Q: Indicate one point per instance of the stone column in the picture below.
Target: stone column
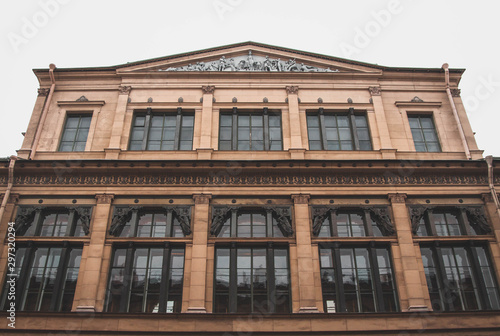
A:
(89, 276)
(494, 220)
(383, 129)
(113, 150)
(412, 270)
(198, 262)
(304, 261)
(475, 152)
(205, 148)
(296, 149)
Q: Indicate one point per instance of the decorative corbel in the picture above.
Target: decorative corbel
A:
(416, 215)
(283, 218)
(319, 214)
(383, 220)
(120, 217)
(477, 218)
(24, 219)
(184, 216)
(219, 217)
(84, 214)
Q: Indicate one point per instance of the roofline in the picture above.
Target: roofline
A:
(257, 44)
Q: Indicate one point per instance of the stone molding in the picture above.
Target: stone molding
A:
(124, 90)
(104, 198)
(397, 198)
(301, 198)
(202, 198)
(375, 90)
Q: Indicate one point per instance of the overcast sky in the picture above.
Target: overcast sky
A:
(410, 33)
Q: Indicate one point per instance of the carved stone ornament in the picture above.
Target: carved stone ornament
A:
(43, 92)
(120, 217)
(301, 198)
(416, 100)
(219, 216)
(250, 63)
(24, 219)
(124, 89)
(455, 92)
(349, 100)
(180, 100)
(265, 100)
(82, 99)
(416, 215)
(375, 90)
(477, 219)
(383, 220)
(84, 214)
(397, 198)
(150, 100)
(319, 215)
(202, 198)
(104, 198)
(320, 100)
(235, 100)
(283, 219)
(208, 89)
(487, 197)
(292, 89)
(184, 216)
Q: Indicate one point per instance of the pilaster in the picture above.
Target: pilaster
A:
(113, 150)
(383, 128)
(304, 259)
(90, 273)
(293, 112)
(198, 262)
(409, 253)
(206, 117)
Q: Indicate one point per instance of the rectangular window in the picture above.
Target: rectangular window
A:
(145, 280)
(76, 130)
(251, 222)
(424, 133)
(338, 131)
(252, 280)
(357, 280)
(460, 278)
(345, 222)
(151, 222)
(162, 131)
(458, 221)
(250, 130)
(53, 222)
(47, 278)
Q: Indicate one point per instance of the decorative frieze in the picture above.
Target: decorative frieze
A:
(281, 179)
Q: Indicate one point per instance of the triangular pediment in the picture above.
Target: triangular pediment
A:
(249, 57)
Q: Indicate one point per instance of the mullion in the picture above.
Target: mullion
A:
(354, 130)
(23, 277)
(482, 293)
(127, 283)
(147, 126)
(271, 278)
(165, 278)
(234, 132)
(376, 284)
(177, 128)
(56, 294)
(444, 278)
(266, 129)
(322, 129)
(41, 289)
(339, 279)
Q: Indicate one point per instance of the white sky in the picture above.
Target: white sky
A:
(424, 33)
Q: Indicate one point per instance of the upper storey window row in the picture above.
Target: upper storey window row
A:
(249, 130)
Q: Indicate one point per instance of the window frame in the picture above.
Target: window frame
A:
(444, 288)
(59, 287)
(339, 291)
(148, 113)
(430, 116)
(73, 114)
(236, 113)
(353, 128)
(126, 290)
(271, 291)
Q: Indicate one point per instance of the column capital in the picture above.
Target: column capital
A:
(43, 92)
(13, 198)
(301, 198)
(292, 89)
(397, 198)
(208, 89)
(124, 90)
(455, 92)
(375, 90)
(487, 197)
(104, 198)
(202, 198)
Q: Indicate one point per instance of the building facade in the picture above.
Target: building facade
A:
(250, 189)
